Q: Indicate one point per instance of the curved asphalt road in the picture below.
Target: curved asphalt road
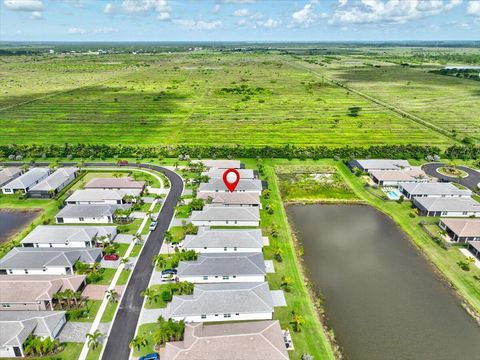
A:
(471, 181)
(125, 322)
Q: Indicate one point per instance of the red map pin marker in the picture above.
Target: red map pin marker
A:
(231, 177)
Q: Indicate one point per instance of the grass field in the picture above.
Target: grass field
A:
(190, 99)
(445, 101)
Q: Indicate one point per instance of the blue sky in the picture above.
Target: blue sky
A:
(239, 20)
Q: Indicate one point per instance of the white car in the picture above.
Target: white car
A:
(153, 225)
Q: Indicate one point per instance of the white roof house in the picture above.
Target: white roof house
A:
(101, 196)
(225, 240)
(88, 214)
(462, 230)
(220, 164)
(214, 173)
(378, 164)
(254, 340)
(414, 190)
(395, 177)
(67, 236)
(226, 216)
(223, 302)
(25, 181)
(447, 207)
(232, 199)
(122, 183)
(46, 261)
(223, 267)
(55, 182)
(217, 185)
(8, 174)
(17, 326)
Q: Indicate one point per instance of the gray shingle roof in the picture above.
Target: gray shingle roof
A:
(55, 234)
(30, 177)
(114, 183)
(447, 204)
(96, 195)
(89, 211)
(236, 198)
(252, 340)
(219, 238)
(53, 181)
(224, 264)
(8, 174)
(223, 299)
(215, 173)
(399, 175)
(231, 213)
(16, 326)
(434, 189)
(38, 258)
(380, 164)
(215, 185)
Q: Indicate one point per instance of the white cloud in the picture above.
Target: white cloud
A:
(23, 5)
(269, 23)
(473, 8)
(143, 6)
(237, 1)
(76, 31)
(391, 11)
(36, 15)
(164, 16)
(216, 8)
(108, 8)
(342, 3)
(241, 12)
(198, 24)
(304, 17)
(104, 30)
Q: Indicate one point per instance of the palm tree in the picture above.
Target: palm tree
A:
(94, 339)
(138, 342)
(151, 295)
(297, 322)
(138, 238)
(112, 296)
(277, 254)
(286, 283)
(168, 237)
(159, 261)
(69, 295)
(124, 261)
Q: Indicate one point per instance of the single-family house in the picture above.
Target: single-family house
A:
(395, 177)
(226, 240)
(214, 173)
(226, 216)
(447, 207)
(25, 181)
(8, 174)
(88, 214)
(223, 267)
(437, 189)
(46, 261)
(217, 185)
(232, 199)
(54, 183)
(17, 326)
(35, 292)
(252, 340)
(68, 236)
(461, 230)
(221, 164)
(223, 302)
(474, 247)
(101, 196)
(123, 183)
(368, 165)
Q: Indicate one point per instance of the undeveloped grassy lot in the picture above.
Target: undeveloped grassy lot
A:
(206, 99)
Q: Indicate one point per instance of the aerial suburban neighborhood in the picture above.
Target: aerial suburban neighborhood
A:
(240, 180)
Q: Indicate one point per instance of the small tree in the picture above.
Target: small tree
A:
(286, 283)
(138, 342)
(266, 193)
(151, 295)
(297, 322)
(112, 296)
(93, 340)
(277, 254)
(168, 237)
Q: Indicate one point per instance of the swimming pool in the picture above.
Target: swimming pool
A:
(393, 195)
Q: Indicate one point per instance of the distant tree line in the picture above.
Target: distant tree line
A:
(92, 151)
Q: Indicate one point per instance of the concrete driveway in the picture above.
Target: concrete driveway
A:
(471, 181)
(97, 292)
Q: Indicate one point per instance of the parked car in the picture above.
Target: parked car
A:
(111, 257)
(153, 225)
(169, 271)
(152, 356)
(122, 162)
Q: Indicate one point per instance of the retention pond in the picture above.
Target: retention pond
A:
(382, 298)
(12, 222)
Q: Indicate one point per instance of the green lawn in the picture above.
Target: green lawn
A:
(92, 306)
(136, 250)
(159, 303)
(146, 330)
(94, 354)
(183, 211)
(109, 312)
(123, 278)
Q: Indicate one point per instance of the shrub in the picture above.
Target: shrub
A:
(166, 296)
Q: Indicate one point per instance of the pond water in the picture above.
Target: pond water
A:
(381, 296)
(12, 222)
